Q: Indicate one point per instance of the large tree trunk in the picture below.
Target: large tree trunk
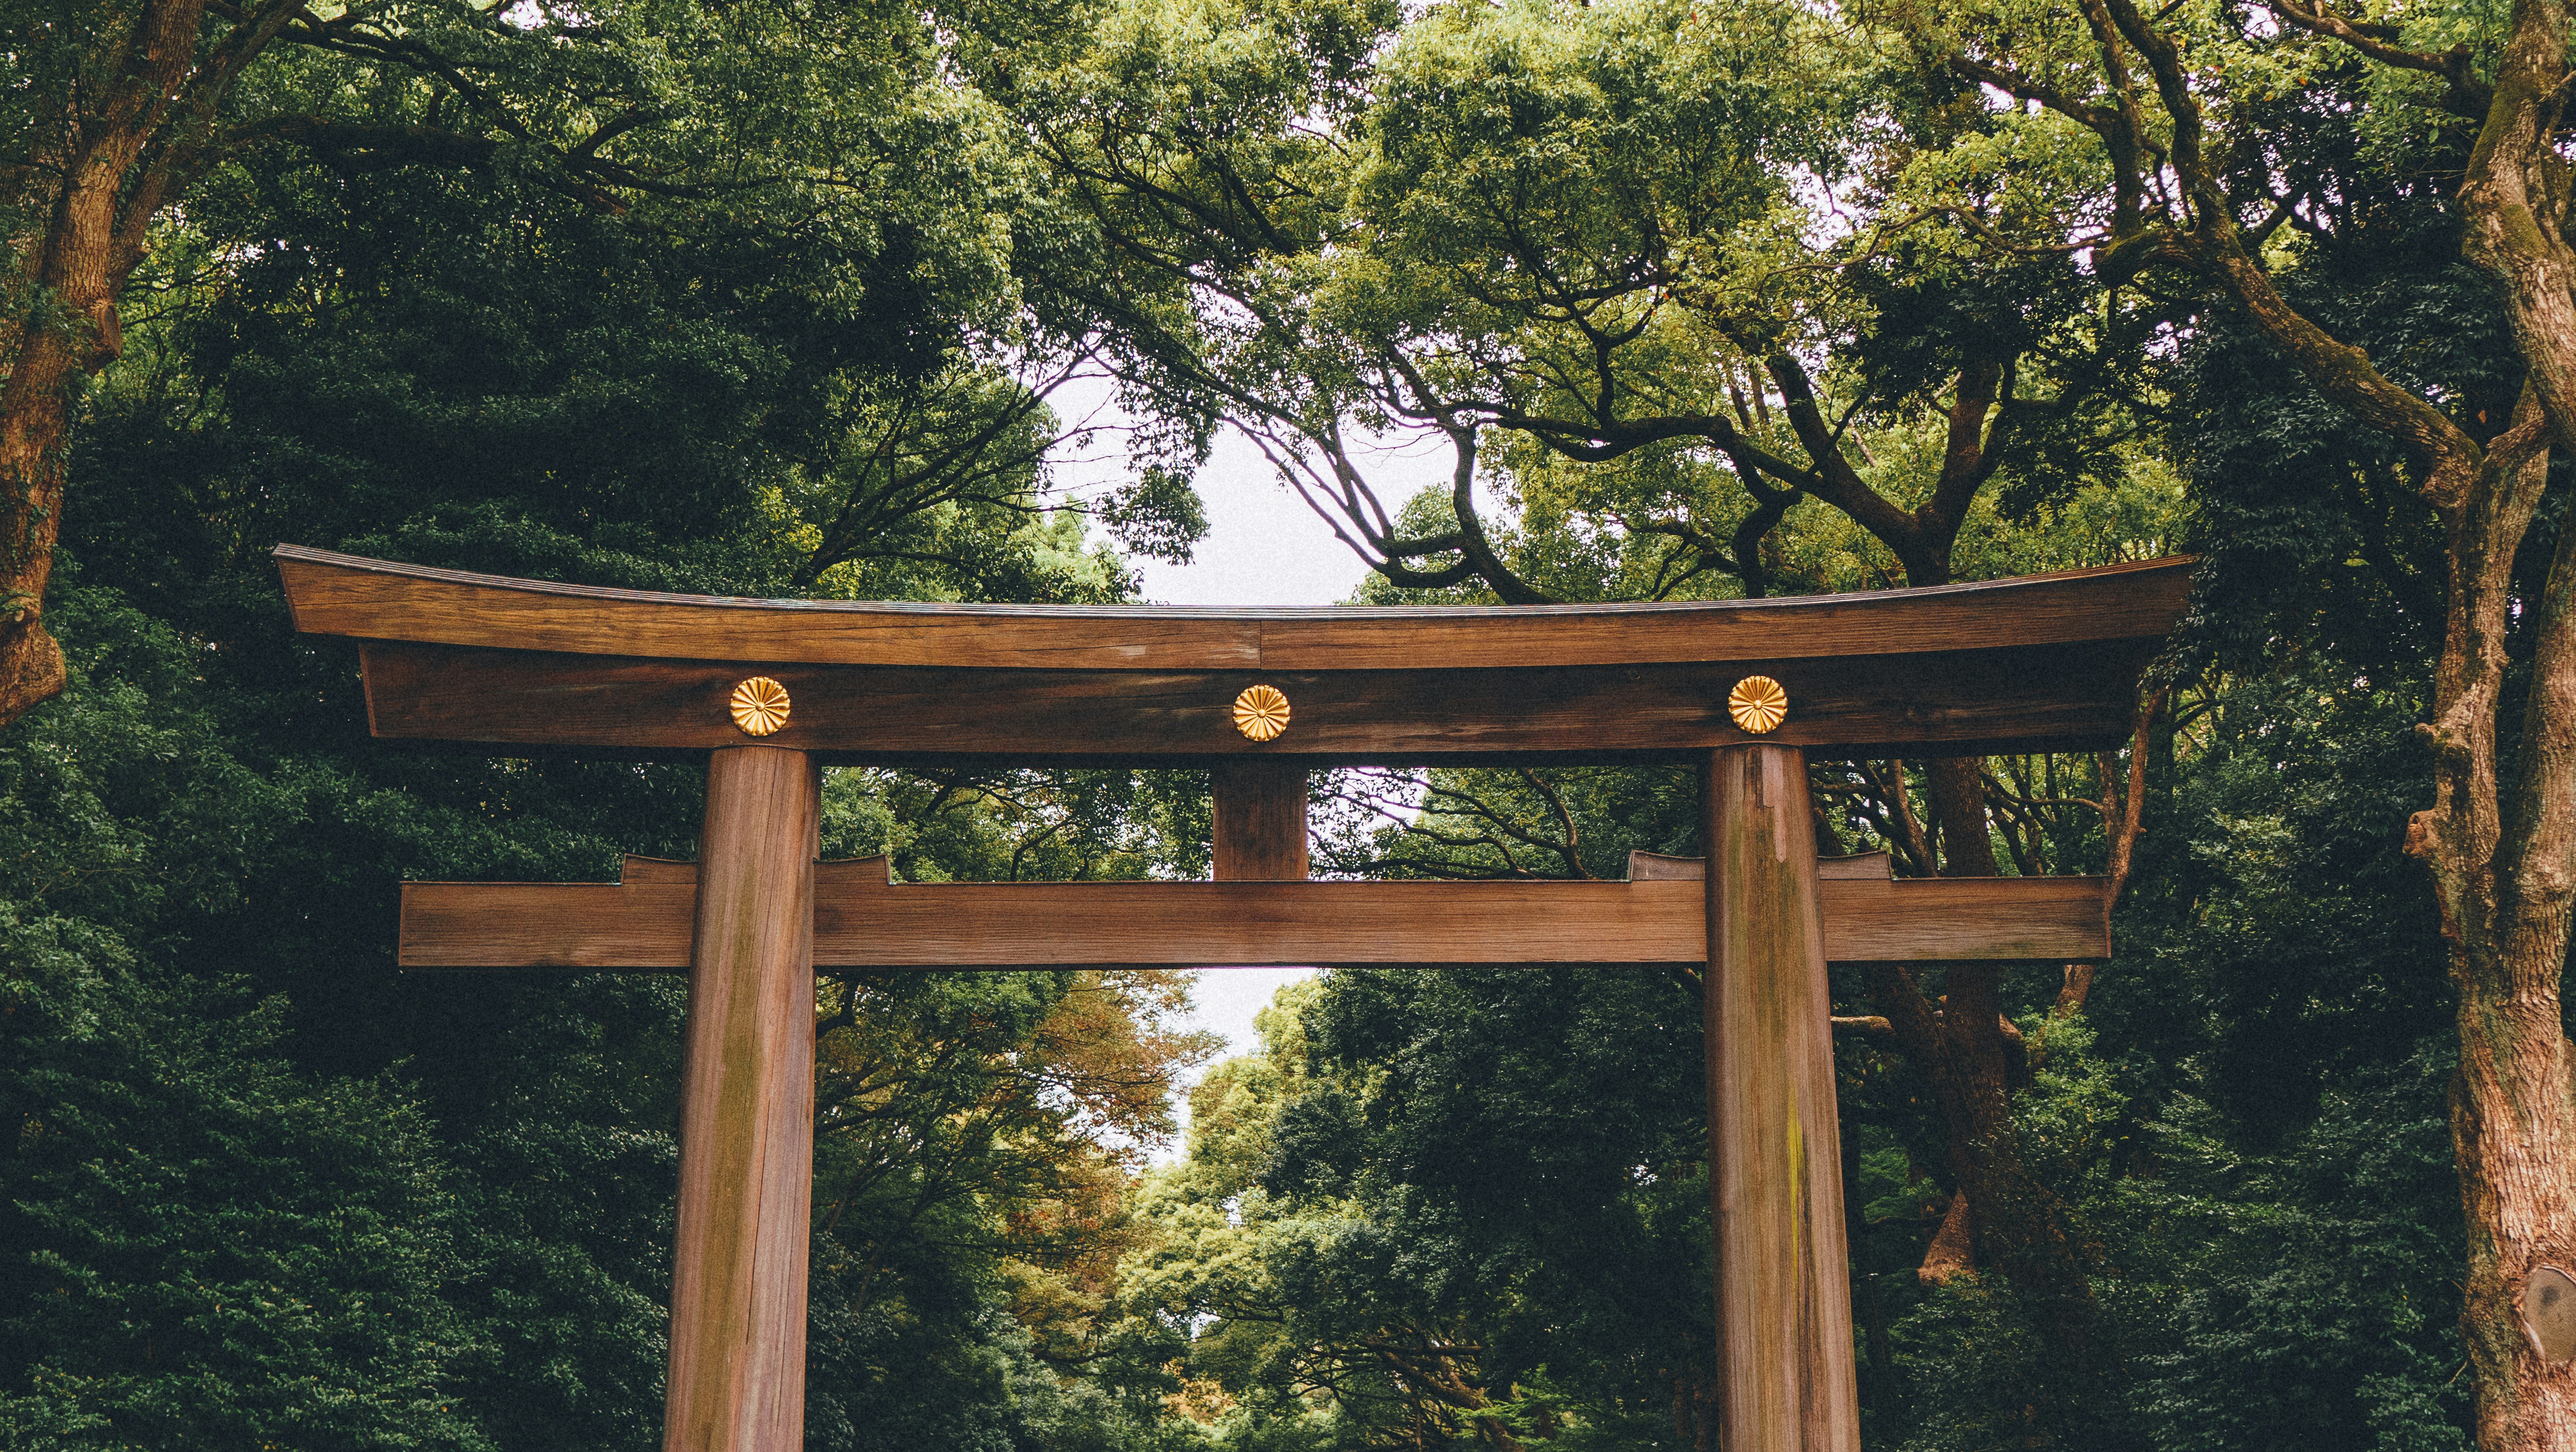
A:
(97, 193)
(1961, 1045)
(2503, 859)
(34, 431)
(2503, 881)
(1962, 1048)
(111, 147)
(2502, 864)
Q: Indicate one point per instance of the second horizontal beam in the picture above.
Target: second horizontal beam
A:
(863, 921)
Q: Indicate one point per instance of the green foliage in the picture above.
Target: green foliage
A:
(1440, 1206)
(436, 1210)
(2307, 523)
(213, 1250)
(2312, 1304)
(207, 1246)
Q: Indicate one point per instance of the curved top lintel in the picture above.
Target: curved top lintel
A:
(348, 595)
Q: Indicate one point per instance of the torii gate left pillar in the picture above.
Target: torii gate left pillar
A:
(1775, 1176)
(738, 1275)
(737, 1363)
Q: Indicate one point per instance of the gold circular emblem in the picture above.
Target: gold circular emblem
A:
(759, 706)
(1758, 704)
(1261, 713)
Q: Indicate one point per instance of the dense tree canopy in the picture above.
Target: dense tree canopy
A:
(1701, 300)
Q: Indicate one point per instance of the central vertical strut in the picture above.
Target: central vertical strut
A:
(1260, 819)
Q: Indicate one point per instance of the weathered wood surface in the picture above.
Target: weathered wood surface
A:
(1860, 866)
(2076, 696)
(1993, 919)
(1260, 819)
(347, 595)
(862, 921)
(737, 1353)
(1784, 1320)
(334, 594)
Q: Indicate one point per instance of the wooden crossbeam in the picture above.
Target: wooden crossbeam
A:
(1964, 702)
(2044, 663)
(862, 920)
(364, 599)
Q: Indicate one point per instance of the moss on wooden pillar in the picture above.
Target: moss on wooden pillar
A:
(1775, 1180)
(737, 1361)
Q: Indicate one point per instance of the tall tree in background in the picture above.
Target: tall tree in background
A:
(115, 110)
(778, 362)
(776, 130)
(1651, 265)
(2202, 164)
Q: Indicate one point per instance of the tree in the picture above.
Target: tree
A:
(766, 147)
(2201, 129)
(468, 366)
(117, 110)
(1654, 270)
(206, 1243)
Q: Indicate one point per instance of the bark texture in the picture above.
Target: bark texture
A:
(126, 120)
(2499, 840)
(130, 107)
(2503, 855)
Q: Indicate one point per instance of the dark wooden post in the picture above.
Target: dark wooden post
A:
(1261, 819)
(1775, 1163)
(737, 1367)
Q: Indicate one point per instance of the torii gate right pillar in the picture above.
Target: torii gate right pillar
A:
(1784, 1326)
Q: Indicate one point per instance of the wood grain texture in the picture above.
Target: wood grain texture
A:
(1784, 1318)
(365, 599)
(737, 1353)
(378, 600)
(2068, 697)
(1860, 866)
(1260, 819)
(2120, 601)
(862, 921)
(642, 921)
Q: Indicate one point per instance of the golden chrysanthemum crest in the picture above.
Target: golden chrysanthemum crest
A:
(1261, 713)
(1758, 704)
(759, 706)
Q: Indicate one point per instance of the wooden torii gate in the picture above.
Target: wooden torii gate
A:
(767, 691)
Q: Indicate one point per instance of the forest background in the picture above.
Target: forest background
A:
(1702, 300)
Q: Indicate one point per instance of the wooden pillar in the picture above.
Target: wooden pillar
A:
(1784, 1323)
(1261, 819)
(737, 1366)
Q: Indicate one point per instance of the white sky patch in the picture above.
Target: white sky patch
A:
(1264, 548)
